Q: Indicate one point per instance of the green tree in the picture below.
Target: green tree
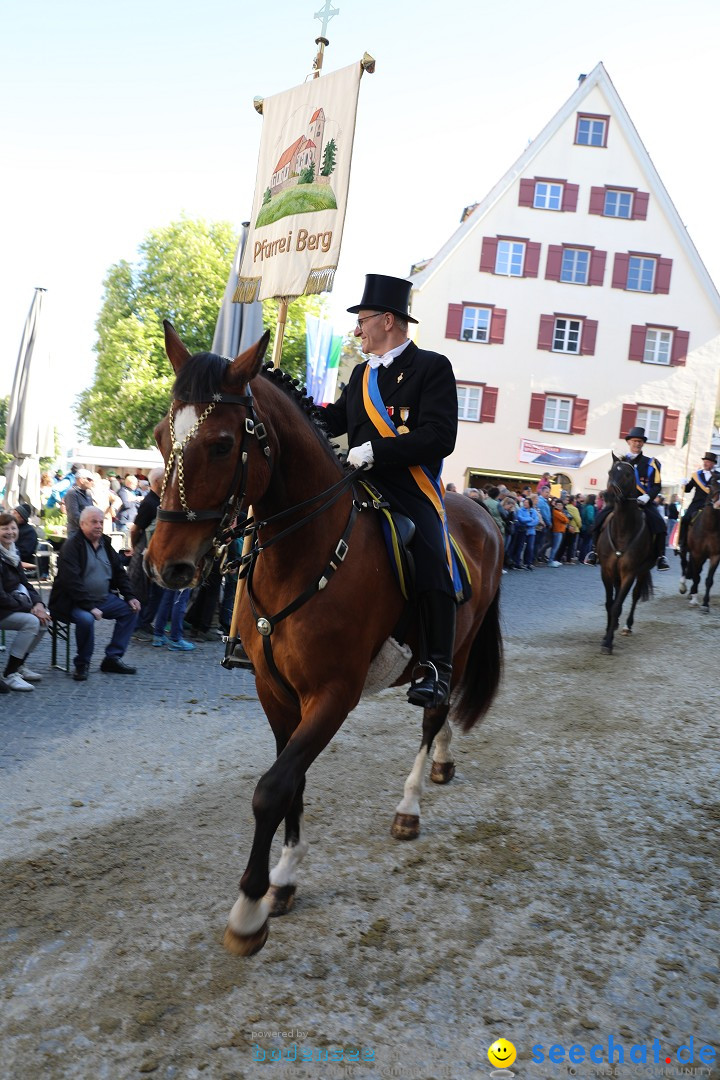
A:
(329, 154)
(181, 276)
(267, 195)
(294, 350)
(307, 175)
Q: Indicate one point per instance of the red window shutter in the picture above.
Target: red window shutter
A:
(662, 275)
(578, 424)
(596, 273)
(589, 337)
(553, 266)
(640, 205)
(488, 254)
(620, 271)
(597, 200)
(489, 404)
(532, 260)
(537, 411)
(681, 340)
(570, 197)
(497, 326)
(637, 342)
(454, 321)
(546, 332)
(670, 427)
(526, 196)
(628, 419)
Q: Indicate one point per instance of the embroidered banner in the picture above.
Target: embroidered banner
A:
(301, 189)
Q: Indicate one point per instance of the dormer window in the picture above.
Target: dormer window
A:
(591, 129)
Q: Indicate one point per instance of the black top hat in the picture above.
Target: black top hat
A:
(636, 433)
(384, 293)
(710, 457)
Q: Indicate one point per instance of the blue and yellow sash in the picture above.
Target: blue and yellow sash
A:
(700, 481)
(431, 487)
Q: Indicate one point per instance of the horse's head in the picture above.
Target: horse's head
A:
(621, 479)
(714, 491)
(209, 439)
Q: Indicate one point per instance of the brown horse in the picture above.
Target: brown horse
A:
(703, 542)
(321, 599)
(625, 551)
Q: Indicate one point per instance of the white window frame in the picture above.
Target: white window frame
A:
(595, 126)
(653, 420)
(658, 346)
(567, 335)
(575, 252)
(548, 196)
(643, 265)
(554, 416)
(469, 402)
(622, 200)
(510, 258)
(476, 323)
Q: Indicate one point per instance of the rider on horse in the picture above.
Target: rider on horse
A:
(400, 413)
(699, 484)
(647, 476)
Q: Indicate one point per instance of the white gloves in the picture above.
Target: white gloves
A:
(685, 481)
(642, 499)
(361, 456)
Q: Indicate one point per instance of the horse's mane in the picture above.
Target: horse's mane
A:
(202, 376)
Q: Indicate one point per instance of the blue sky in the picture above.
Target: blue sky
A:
(118, 118)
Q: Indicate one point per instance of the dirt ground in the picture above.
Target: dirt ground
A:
(562, 891)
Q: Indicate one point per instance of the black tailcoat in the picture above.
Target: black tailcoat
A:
(419, 387)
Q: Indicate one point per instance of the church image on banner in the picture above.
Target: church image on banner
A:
(573, 306)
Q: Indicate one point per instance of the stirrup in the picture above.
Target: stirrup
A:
(235, 655)
(430, 691)
(591, 558)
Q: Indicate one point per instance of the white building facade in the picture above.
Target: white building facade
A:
(573, 306)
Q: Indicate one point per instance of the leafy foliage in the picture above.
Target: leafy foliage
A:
(181, 276)
(307, 176)
(294, 351)
(328, 162)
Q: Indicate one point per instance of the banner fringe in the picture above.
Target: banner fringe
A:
(247, 290)
(320, 280)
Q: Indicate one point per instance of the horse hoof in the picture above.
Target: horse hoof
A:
(281, 899)
(682, 588)
(626, 630)
(245, 944)
(704, 610)
(606, 649)
(405, 827)
(694, 601)
(442, 772)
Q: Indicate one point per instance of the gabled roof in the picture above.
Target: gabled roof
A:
(315, 115)
(598, 77)
(289, 154)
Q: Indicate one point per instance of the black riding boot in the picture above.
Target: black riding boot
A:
(660, 542)
(437, 610)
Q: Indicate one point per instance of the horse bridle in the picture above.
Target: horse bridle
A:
(228, 510)
(615, 488)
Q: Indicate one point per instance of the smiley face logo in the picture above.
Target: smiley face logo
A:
(501, 1054)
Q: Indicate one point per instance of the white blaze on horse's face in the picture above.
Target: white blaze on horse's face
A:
(183, 421)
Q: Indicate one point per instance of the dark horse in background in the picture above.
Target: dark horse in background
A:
(625, 550)
(321, 598)
(703, 543)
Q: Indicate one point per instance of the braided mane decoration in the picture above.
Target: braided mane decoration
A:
(294, 389)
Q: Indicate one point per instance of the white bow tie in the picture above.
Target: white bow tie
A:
(381, 361)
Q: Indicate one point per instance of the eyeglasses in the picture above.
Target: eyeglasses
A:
(358, 324)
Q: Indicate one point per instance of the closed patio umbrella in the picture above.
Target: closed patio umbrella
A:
(30, 430)
(239, 325)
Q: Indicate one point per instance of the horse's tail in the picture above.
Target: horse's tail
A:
(646, 587)
(483, 670)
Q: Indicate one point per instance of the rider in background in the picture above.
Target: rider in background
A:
(699, 484)
(647, 476)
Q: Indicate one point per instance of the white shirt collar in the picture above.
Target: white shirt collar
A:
(387, 358)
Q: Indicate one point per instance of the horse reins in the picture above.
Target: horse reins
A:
(623, 498)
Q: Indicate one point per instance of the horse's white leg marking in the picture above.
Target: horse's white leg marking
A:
(285, 873)
(247, 916)
(442, 745)
(410, 802)
(694, 600)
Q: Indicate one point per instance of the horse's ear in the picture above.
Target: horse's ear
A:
(614, 456)
(247, 365)
(177, 353)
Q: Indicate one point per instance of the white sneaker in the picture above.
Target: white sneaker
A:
(555, 563)
(16, 682)
(29, 675)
